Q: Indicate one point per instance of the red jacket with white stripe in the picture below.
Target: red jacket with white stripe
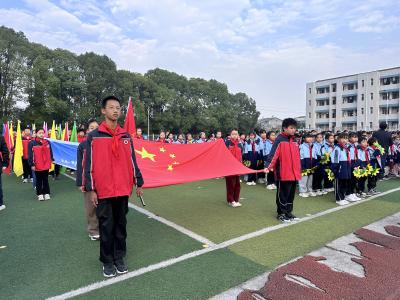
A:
(110, 173)
(284, 159)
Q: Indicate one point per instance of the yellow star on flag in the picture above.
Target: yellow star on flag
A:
(146, 154)
(170, 168)
(162, 149)
(172, 155)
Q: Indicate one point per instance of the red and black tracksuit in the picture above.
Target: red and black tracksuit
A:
(40, 156)
(284, 159)
(110, 169)
(233, 182)
(25, 159)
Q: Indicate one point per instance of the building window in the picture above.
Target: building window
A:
(309, 90)
(362, 97)
(370, 125)
(333, 87)
(390, 80)
(362, 82)
(362, 110)
(333, 100)
(372, 81)
(309, 115)
(362, 124)
(371, 110)
(333, 113)
(372, 96)
(309, 102)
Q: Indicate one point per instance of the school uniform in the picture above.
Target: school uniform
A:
(308, 158)
(200, 141)
(327, 148)
(374, 154)
(319, 172)
(252, 153)
(354, 163)
(41, 157)
(364, 160)
(396, 160)
(341, 167)
(25, 158)
(111, 170)
(266, 146)
(233, 182)
(284, 159)
(4, 162)
(90, 211)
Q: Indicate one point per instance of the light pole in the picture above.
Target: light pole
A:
(148, 123)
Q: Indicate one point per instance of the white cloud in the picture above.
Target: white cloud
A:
(263, 48)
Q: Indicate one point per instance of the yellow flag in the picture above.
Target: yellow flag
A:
(53, 136)
(18, 168)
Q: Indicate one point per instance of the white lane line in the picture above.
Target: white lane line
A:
(169, 262)
(177, 227)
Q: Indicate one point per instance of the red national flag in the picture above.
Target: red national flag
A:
(130, 125)
(167, 164)
(66, 136)
(8, 138)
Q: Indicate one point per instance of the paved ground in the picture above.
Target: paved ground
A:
(361, 265)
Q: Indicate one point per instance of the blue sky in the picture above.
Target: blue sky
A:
(267, 49)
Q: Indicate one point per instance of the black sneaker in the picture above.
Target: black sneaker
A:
(283, 218)
(120, 266)
(292, 217)
(108, 270)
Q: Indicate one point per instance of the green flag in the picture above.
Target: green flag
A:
(74, 134)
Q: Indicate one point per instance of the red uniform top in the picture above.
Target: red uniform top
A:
(40, 154)
(110, 163)
(25, 147)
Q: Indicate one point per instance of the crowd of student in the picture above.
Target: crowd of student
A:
(317, 163)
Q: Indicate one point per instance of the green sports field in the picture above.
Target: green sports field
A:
(45, 251)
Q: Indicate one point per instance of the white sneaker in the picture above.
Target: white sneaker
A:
(31, 180)
(312, 194)
(270, 187)
(238, 204)
(47, 197)
(319, 193)
(261, 181)
(355, 197)
(274, 186)
(40, 198)
(2, 207)
(94, 237)
(249, 183)
(342, 202)
(233, 204)
(304, 195)
(25, 181)
(330, 190)
(324, 192)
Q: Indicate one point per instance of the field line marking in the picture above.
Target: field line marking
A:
(225, 244)
(177, 227)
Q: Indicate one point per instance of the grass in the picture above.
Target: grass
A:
(48, 251)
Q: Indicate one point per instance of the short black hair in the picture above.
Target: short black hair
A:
(363, 138)
(383, 125)
(308, 135)
(289, 122)
(343, 135)
(39, 129)
(372, 141)
(104, 101)
(328, 135)
(90, 121)
(353, 134)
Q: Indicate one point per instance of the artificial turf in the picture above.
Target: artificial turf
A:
(48, 251)
(201, 207)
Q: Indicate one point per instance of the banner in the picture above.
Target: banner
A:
(64, 153)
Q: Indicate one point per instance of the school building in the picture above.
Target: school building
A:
(354, 102)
